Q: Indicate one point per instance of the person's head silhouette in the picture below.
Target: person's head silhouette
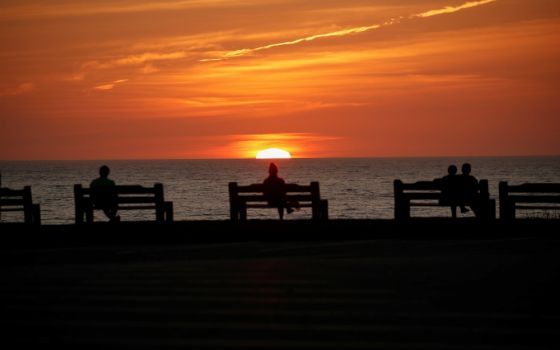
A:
(104, 171)
(452, 170)
(466, 168)
(273, 169)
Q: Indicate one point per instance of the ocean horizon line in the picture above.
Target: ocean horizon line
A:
(284, 159)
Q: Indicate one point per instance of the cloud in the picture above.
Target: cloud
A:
(452, 9)
(345, 32)
(21, 89)
(148, 69)
(134, 60)
(109, 86)
(243, 52)
(73, 9)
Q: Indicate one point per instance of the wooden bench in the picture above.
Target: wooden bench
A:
(543, 196)
(130, 197)
(20, 200)
(251, 196)
(428, 193)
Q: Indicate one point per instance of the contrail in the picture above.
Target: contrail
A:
(344, 32)
(451, 9)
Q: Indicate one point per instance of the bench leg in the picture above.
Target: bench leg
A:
(168, 211)
(36, 214)
(88, 210)
(402, 209)
(160, 213)
(28, 214)
(243, 212)
(324, 209)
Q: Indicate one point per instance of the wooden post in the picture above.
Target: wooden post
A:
(233, 201)
(324, 210)
(507, 208)
(168, 208)
(36, 212)
(316, 201)
(160, 210)
(487, 207)
(78, 204)
(402, 206)
(27, 205)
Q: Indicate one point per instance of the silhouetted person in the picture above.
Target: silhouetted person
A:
(450, 191)
(275, 191)
(469, 189)
(104, 195)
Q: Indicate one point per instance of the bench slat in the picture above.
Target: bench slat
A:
(534, 199)
(138, 199)
(261, 198)
(422, 185)
(259, 188)
(8, 192)
(544, 207)
(129, 207)
(10, 201)
(534, 187)
(425, 195)
(254, 206)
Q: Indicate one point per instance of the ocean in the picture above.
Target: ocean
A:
(357, 188)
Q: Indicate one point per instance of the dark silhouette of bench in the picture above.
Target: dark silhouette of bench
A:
(129, 197)
(20, 200)
(544, 196)
(428, 194)
(251, 196)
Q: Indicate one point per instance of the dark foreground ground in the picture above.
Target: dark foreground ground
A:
(428, 284)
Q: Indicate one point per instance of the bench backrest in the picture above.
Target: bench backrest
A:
(531, 192)
(14, 199)
(541, 196)
(294, 192)
(430, 189)
(129, 197)
(127, 194)
(20, 200)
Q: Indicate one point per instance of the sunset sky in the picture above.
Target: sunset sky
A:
(319, 78)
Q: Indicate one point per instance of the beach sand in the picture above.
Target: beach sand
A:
(268, 285)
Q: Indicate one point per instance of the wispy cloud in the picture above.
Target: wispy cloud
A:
(345, 32)
(21, 89)
(109, 86)
(73, 9)
(134, 60)
(452, 9)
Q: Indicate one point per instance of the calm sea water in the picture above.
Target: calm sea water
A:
(355, 188)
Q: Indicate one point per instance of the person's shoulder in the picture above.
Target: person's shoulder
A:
(94, 182)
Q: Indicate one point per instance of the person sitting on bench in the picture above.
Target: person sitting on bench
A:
(275, 192)
(104, 196)
(469, 189)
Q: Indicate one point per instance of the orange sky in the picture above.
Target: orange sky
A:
(319, 78)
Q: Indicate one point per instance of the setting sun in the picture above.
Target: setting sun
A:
(273, 153)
